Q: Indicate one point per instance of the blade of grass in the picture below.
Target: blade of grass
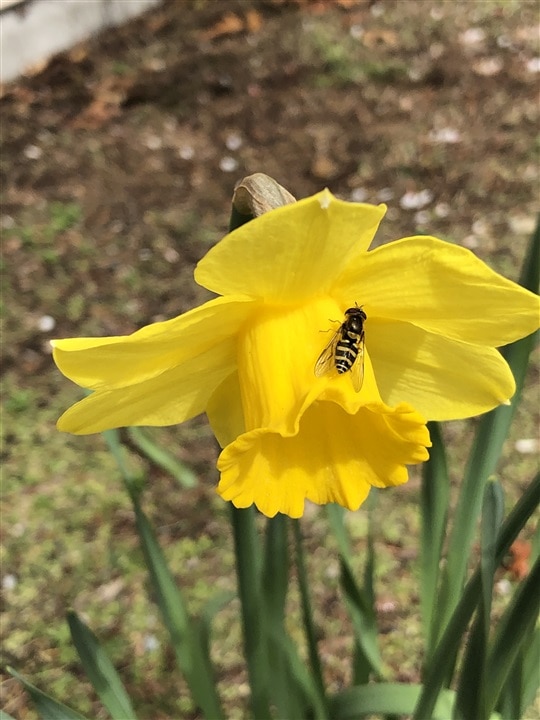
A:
(359, 606)
(203, 625)
(369, 566)
(368, 587)
(515, 628)
(471, 688)
(435, 497)
(100, 670)
(287, 695)
(189, 655)
(530, 664)
(307, 700)
(201, 631)
(132, 481)
(445, 651)
(159, 456)
(177, 621)
(47, 707)
(509, 704)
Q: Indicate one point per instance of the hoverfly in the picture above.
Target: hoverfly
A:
(345, 351)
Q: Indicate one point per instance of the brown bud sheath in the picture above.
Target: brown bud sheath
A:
(258, 193)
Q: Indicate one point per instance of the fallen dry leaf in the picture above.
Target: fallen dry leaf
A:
(230, 24)
(518, 564)
(106, 105)
(253, 21)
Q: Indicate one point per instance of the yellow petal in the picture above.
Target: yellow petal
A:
(442, 288)
(335, 457)
(114, 362)
(443, 379)
(171, 397)
(291, 253)
(225, 412)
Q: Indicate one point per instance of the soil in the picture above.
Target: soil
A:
(120, 156)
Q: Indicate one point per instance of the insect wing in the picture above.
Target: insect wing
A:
(326, 360)
(357, 370)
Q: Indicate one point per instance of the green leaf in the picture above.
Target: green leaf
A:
(515, 628)
(306, 702)
(510, 699)
(369, 567)
(486, 451)
(132, 480)
(190, 656)
(531, 663)
(530, 270)
(446, 649)
(200, 648)
(471, 689)
(359, 605)
(159, 456)
(385, 699)
(289, 681)
(47, 707)
(435, 496)
(100, 670)
(492, 517)
(295, 692)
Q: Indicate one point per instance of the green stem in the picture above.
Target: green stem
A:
(307, 613)
(248, 571)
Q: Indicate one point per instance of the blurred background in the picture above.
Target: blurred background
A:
(119, 158)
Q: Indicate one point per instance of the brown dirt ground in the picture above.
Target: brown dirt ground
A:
(119, 159)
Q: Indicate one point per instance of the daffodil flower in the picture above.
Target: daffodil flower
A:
(435, 316)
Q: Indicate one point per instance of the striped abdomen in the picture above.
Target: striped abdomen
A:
(347, 349)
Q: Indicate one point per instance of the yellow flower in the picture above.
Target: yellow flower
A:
(435, 314)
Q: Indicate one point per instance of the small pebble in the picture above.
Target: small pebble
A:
(151, 643)
(359, 195)
(154, 142)
(233, 141)
(472, 36)
(385, 194)
(445, 136)
(416, 200)
(228, 164)
(9, 582)
(186, 152)
(527, 446)
(33, 152)
(533, 65)
(46, 323)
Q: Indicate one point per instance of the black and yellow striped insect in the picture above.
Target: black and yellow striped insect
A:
(345, 351)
